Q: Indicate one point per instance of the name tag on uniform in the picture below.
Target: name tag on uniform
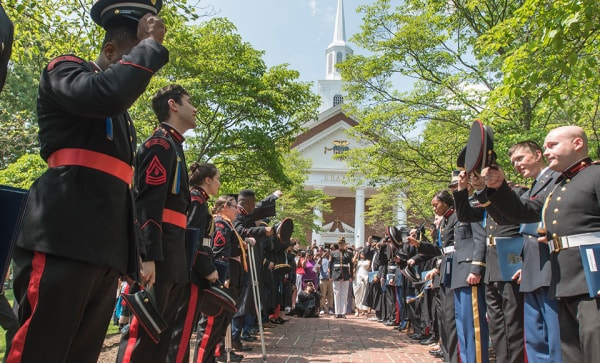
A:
(206, 242)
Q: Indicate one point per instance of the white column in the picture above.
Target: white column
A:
(359, 219)
(316, 235)
(401, 212)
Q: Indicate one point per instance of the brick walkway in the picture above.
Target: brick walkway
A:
(326, 339)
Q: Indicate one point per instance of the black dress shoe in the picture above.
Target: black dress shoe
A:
(439, 354)
(248, 338)
(418, 336)
(428, 341)
(237, 345)
(232, 357)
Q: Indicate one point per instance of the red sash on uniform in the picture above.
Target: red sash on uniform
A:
(94, 160)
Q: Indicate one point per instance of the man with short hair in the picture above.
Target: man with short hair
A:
(570, 217)
(78, 232)
(542, 338)
(162, 197)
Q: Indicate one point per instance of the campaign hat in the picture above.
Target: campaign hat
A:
(480, 148)
(104, 11)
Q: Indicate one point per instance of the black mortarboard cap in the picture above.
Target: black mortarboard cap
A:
(480, 148)
(103, 11)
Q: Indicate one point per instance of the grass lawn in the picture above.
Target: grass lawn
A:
(112, 329)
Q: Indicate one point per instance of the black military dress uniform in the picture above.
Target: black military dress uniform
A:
(79, 215)
(341, 270)
(227, 254)
(162, 199)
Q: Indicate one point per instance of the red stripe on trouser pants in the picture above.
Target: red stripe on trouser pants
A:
(38, 265)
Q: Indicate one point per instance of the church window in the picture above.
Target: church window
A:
(338, 99)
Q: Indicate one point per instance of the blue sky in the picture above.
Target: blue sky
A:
(296, 32)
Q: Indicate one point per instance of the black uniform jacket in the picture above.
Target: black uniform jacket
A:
(573, 207)
(536, 271)
(470, 214)
(469, 248)
(74, 211)
(225, 245)
(340, 265)
(200, 218)
(446, 233)
(162, 193)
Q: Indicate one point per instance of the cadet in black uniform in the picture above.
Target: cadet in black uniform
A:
(205, 181)
(162, 199)
(341, 271)
(229, 256)
(443, 206)
(78, 230)
(571, 218)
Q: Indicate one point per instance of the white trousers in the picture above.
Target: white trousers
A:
(340, 296)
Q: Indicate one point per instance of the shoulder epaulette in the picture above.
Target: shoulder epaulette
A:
(63, 58)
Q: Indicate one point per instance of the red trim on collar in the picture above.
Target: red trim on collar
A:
(171, 130)
(577, 167)
(448, 213)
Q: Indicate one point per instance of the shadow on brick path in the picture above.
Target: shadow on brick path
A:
(326, 339)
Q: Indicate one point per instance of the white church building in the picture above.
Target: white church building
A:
(326, 137)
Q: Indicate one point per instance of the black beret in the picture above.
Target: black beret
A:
(103, 11)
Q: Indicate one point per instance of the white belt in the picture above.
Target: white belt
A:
(492, 241)
(338, 265)
(448, 249)
(575, 240)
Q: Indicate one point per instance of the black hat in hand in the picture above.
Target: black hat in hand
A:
(103, 11)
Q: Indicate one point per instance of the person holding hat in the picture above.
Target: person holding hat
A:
(570, 225)
(162, 198)
(468, 267)
(227, 247)
(443, 206)
(503, 299)
(341, 271)
(79, 222)
(542, 331)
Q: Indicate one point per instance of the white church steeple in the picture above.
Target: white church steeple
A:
(330, 89)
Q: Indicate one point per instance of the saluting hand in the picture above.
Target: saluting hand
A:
(151, 26)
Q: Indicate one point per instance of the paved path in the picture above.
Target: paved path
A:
(326, 339)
